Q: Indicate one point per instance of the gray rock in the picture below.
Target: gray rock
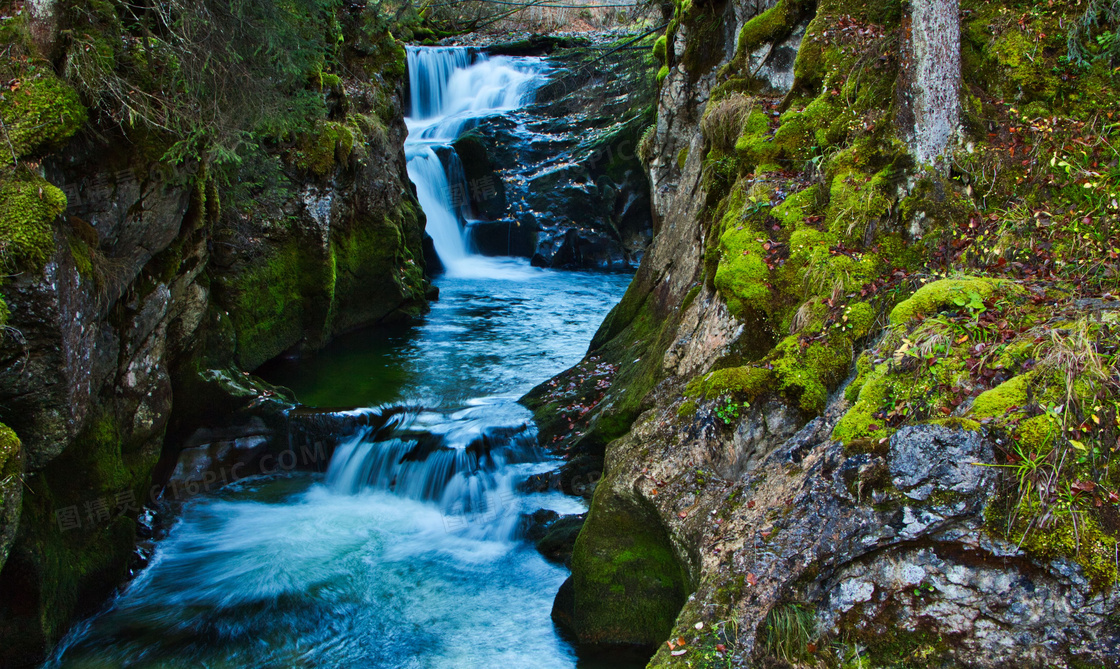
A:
(928, 458)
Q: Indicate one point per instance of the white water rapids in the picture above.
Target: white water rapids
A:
(407, 552)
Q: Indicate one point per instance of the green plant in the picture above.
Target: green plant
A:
(790, 629)
(971, 301)
(1098, 13)
(727, 410)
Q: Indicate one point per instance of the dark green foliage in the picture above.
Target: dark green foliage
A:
(217, 78)
(1089, 38)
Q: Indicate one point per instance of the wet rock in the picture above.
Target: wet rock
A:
(559, 538)
(487, 191)
(925, 458)
(535, 525)
(573, 185)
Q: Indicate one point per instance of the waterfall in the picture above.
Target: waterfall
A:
(463, 466)
(451, 88)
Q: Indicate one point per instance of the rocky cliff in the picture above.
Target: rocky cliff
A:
(561, 181)
(859, 405)
(158, 249)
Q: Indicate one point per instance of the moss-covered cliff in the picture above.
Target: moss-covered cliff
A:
(833, 311)
(187, 190)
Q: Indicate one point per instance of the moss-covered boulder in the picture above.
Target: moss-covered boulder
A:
(627, 584)
(11, 489)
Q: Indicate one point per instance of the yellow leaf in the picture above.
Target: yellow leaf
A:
(1077, 444)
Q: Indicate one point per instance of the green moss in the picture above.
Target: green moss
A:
(628, 584)
(1020, 56)
(753, 146)
(682, 157)
(689, 297)
(805, 133)
(793, 211)
(957, 423)
(859, 423)
(659, 48)
(932, 297)
(807, 374)
(28, 207)
(688, 409)
(9, 453)
(83, 261)
(320, 150)
(773, 25)
(662, 73)
(39, 112)
(857, 202)
(1086, 544)
(998, 401)
(742, 275)
(934, 202)
(742, 382)
(270, 303)
(71, 571)
(864, 367)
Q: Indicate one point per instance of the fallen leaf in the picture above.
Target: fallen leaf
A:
(752, 579)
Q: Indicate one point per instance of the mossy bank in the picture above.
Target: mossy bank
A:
(865, 380)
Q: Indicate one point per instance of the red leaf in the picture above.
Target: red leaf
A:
(1084, 486)
(751, 579)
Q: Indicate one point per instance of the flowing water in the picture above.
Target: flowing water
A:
(407, 551)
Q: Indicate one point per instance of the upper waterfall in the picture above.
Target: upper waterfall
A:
(451, 88)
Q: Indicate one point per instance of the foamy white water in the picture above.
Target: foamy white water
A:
(450, 89)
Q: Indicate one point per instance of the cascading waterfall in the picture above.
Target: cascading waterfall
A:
(464, 466)
(406, 553)
(451, 88)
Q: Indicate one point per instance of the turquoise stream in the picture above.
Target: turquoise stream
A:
(409, 550)
(295, 571)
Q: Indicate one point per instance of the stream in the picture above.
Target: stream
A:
(408, 551)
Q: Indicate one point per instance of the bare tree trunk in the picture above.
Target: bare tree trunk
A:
(45, 15)
(935, 80)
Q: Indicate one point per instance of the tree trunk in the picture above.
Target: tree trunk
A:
(44, 15)
(935, 79)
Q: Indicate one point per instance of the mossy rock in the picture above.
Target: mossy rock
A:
(320, 150)
(628, 585)
(28, 207)
(11, 488)
(740, 382)
(808, 373)
(40, 111)
(659, 48)
(76, 534)
(773, 25)
(932, 297)
(793, 211)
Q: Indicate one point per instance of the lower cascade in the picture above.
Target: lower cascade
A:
(409, 550)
